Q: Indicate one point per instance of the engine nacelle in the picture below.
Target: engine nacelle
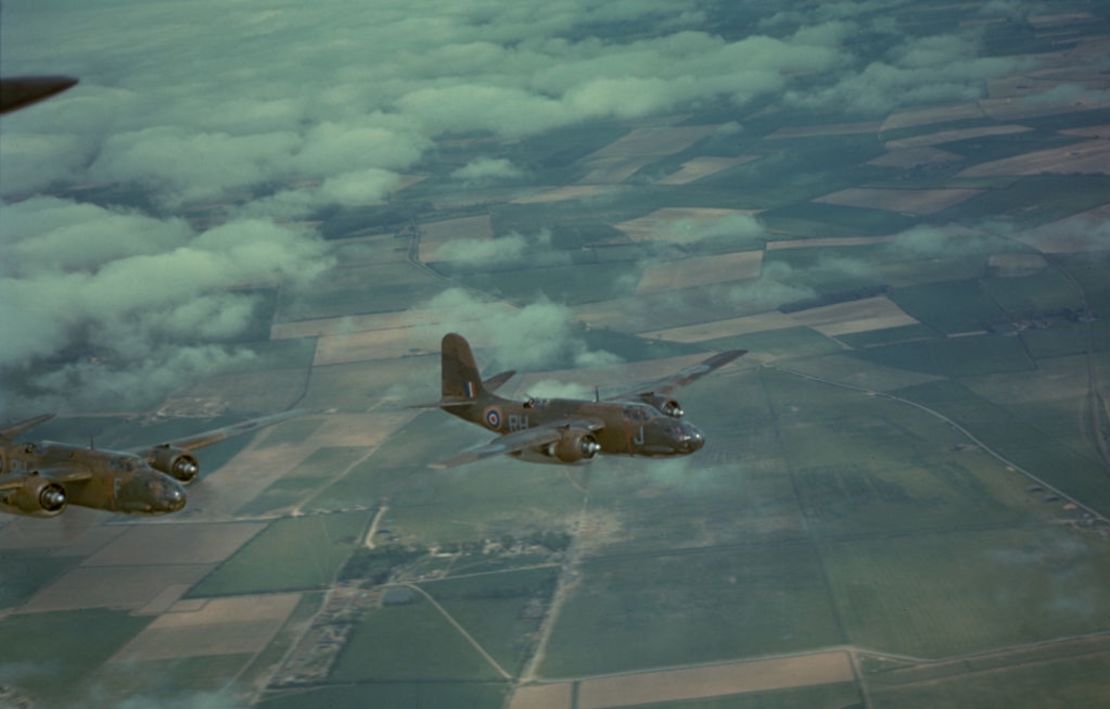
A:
(38, 497)
(175, 462)
(574, 446)
(670, 407)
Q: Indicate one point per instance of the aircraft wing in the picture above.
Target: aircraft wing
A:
(20, 91)
(64, 476)
(684, 376)
(17, 428)
(207, 438)
(521, 440)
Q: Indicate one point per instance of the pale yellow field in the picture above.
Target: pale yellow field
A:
(1069, 235)
(696, 169)
(434, 235)
(469, 198)
(152, 544)
(717, 680)
(122, 587)
(354, 430)
(667, 224)
(1092, 157)
(1102, 131)
(833, 241)
(1016, 86)
(542, 696)
(240, 480)
(563, 194)
(346, 325)
(935, 114)
(1060, 19)
(246, 475)
(1088, 52)
(377, 344)
(221, 626)
(361, 387)
(241, 392)
(762, 322)
(82, 534)
(612, 170)
(617, 161)
(1011, 109)
(854, 316)
(700, 271)
(948, 136)
(653, 141)
(913, 157)
(1014, 265)
(831, 129)
(609, 313)
(912, 201)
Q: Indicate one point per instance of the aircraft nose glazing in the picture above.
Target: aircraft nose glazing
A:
(174, 499)
(692, 439)
(166, 495)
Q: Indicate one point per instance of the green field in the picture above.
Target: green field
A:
(655, 610)
(788, 342)
(1029, 296)
(1076, 473)
(1062, 338)
(428, 506)
(25, 572)
(951, 307)
(293, 432)
(50, 656)
(265, 663)
(1090, 271)
(1070, 682)
(865, 465)
(950, 593)
(292, 554)
(422, 695)
(408, 643)
(827, 696)
(572, 284)
(954, 357)
(159, 682)
(501, 610)
(1033, 200)
(998, 147)
(1050, 399)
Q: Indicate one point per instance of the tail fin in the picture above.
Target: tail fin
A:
(461, 382)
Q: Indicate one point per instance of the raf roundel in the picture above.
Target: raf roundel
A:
(493, 418)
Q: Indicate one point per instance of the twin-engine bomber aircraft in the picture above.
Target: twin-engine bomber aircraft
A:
(40, 479)
(641, 422)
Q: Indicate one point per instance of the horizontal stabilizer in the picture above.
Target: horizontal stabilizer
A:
(492, 384)
(18, 428)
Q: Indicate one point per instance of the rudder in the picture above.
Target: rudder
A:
(461, 381)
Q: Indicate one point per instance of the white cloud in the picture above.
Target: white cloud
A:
(542, 335)
(144, 300)
(490, 169)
